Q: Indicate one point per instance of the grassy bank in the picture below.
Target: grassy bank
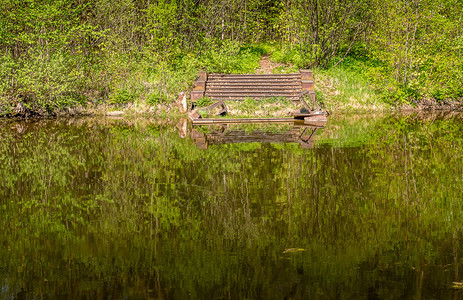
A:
(137, 84)
(65, 56)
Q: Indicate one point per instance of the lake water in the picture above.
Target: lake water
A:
(371, 207)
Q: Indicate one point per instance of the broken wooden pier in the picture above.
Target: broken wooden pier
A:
(298, 87)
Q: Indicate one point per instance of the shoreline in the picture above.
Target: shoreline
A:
(171, 110)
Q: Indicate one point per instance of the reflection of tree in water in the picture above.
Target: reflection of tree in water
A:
(95, 208)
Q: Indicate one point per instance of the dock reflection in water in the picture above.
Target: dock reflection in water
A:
(224, 133)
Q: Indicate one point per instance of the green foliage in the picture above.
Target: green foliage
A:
(204, 101)
(162, 21)
(40, 69)
(56, 54)
(420, 45)
(155, 98)
(320, 30)
(122, 97)
(249, 104)
(347, 85)
(229, 57)
(288, 55)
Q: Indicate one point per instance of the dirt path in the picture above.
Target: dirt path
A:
(266, 66)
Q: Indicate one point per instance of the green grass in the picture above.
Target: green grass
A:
(149, 80)
(345, 88)
(342, 87)
(275, 107)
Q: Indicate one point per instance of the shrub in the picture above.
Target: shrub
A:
(122, 97)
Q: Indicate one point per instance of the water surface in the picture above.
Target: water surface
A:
(134, 209)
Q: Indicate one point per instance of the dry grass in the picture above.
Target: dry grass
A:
(267, 108)
(342, 92)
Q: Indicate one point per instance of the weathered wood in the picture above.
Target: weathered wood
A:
(227, 135)
(202, 76)
(316, 120)
(255, 86)
(220, 105)
(295, 86)
(194, 115)
(311, 96)
(200, 87)
(306, 106)
(217, 76)
(196, 95)
(243, 97)
(241, 121)
(241, 136)
(301, 114)
(306, 74)
(307, 85)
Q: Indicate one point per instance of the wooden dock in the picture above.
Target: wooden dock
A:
(294, 86)
(297, 87)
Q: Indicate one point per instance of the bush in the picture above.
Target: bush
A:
(203, 102)
(122, 97)
(155, 98)
(230, 57)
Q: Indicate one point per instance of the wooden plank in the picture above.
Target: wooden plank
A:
(213, 76)
(238, 98)
(251, 94)
(256, 80)
(307, 85)
(241, 121)
(295, 84)
(202, 76)
(306, 75)
(200, 86)
(302, 115)
(317, 120)
(254, 89)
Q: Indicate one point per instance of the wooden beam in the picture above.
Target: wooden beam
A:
(242, 121)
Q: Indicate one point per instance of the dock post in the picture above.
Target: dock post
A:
(199, 88)
(307, 84)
